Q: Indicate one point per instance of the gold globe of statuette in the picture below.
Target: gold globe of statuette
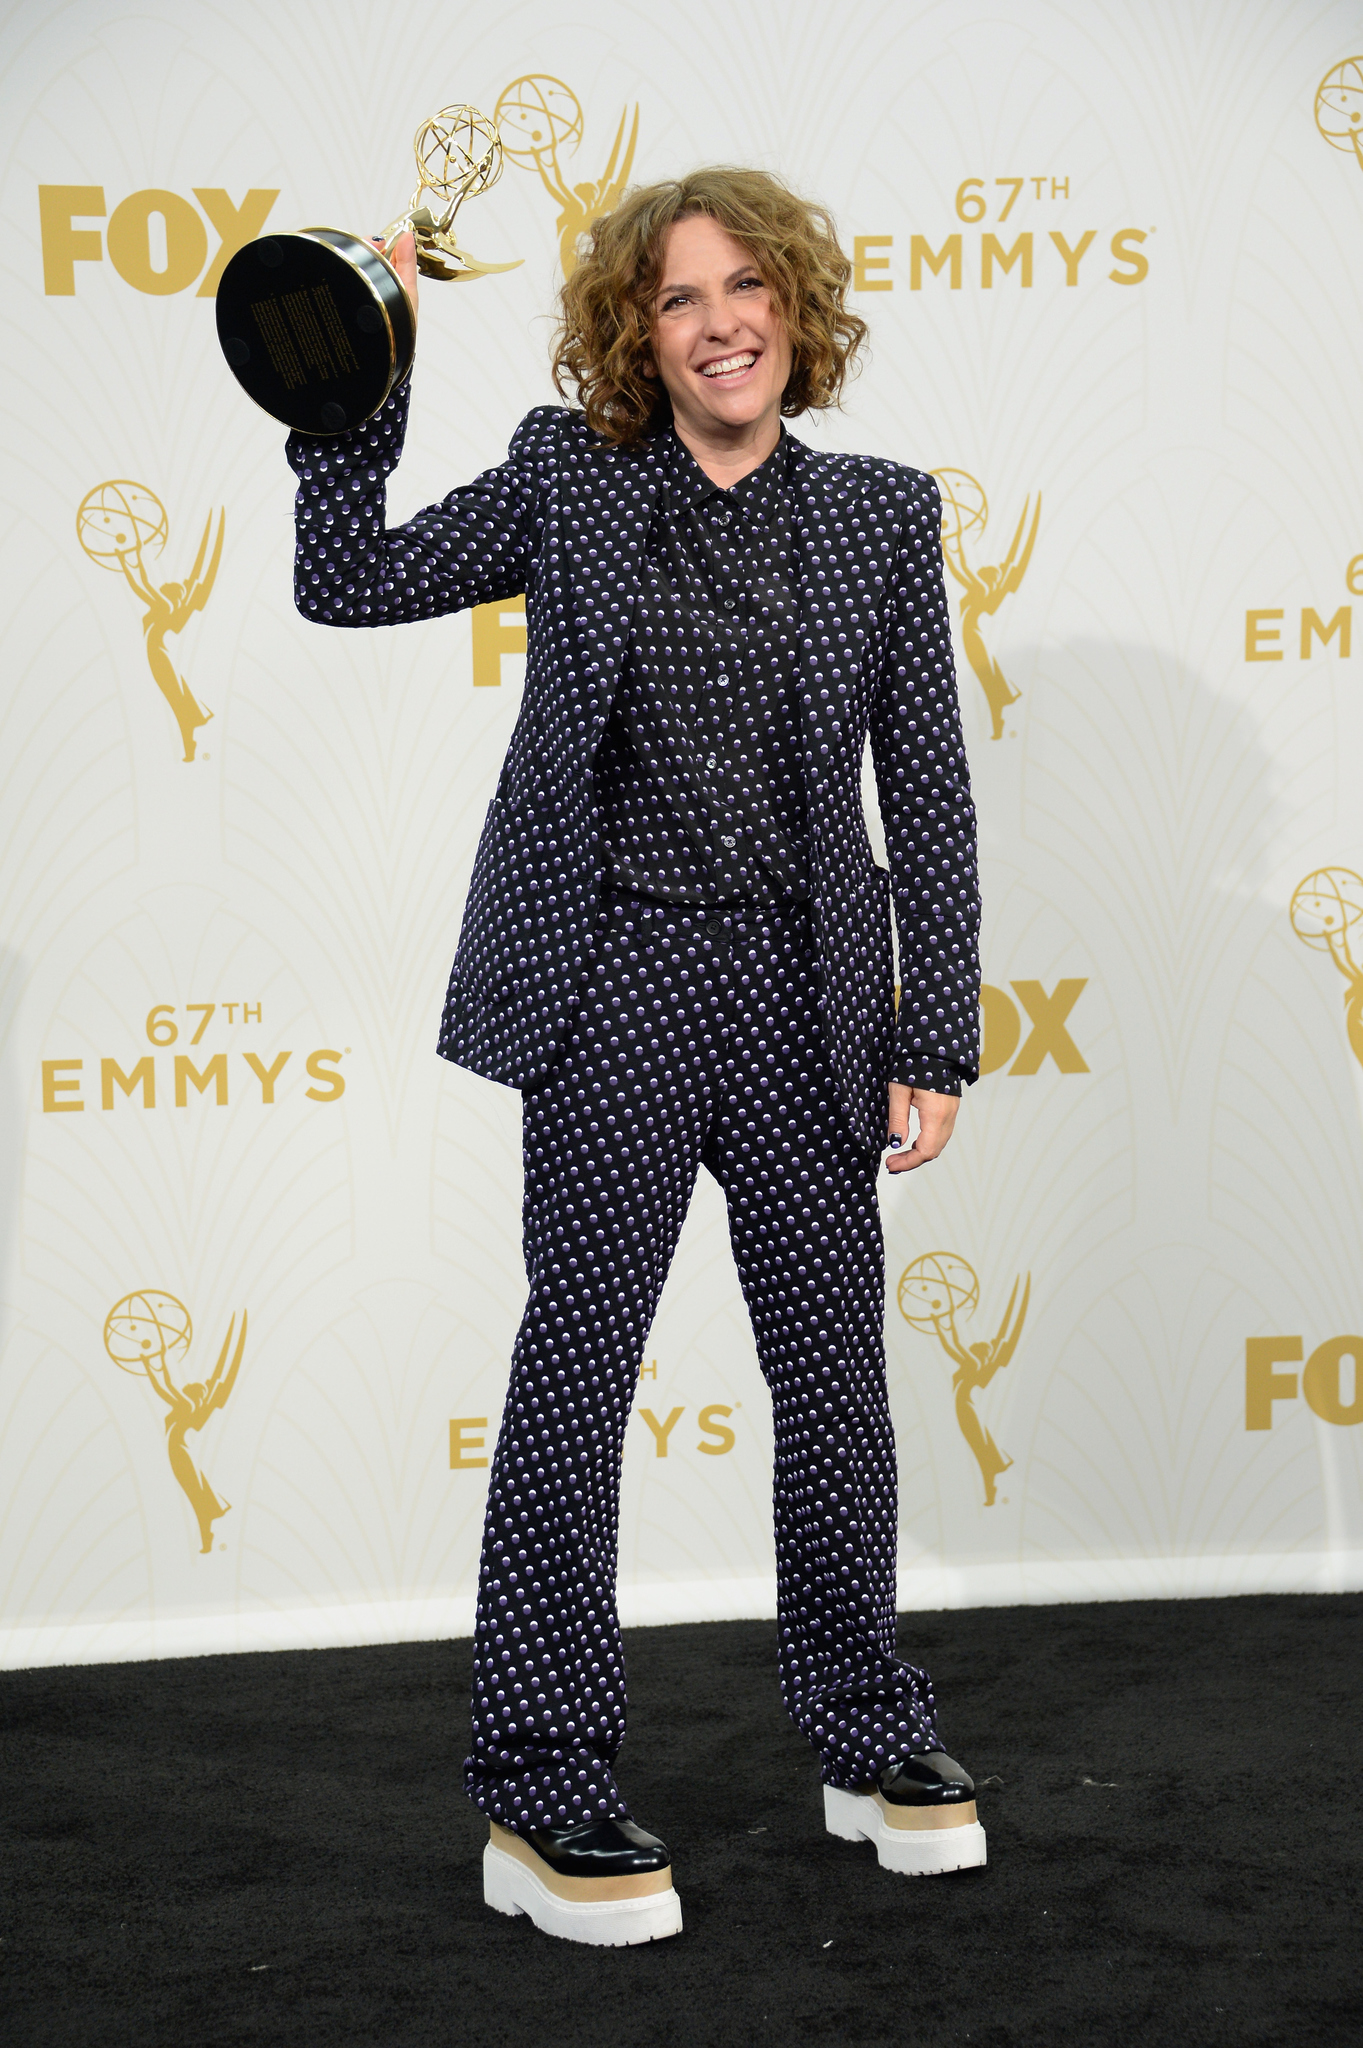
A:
(147, 1327)
(965, 508)
(458, 153)
(538, 116)
(1339, 106)
(121, 518)
(458, 156)
(936, 1287)
(1326, 906)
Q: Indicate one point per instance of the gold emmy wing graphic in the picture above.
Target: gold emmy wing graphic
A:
(150, 1333)
(933, 1291)
(1327, 915)
(965, 513)
(121, 525)
(1339, 107)
(541, 121)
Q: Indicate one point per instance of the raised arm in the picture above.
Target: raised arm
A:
(352, 569)
(924, 784)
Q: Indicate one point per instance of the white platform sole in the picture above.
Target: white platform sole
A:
(928, 1847)
(509, 1887)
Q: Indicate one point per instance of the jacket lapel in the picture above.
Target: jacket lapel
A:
(843, 565)
(616, 490)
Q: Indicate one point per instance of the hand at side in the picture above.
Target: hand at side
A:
(936, 1121)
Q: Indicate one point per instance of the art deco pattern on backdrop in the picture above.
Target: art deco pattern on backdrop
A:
(1109, 257)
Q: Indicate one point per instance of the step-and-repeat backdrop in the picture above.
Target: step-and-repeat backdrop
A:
(259, 1247)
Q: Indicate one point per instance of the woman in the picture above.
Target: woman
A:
(677, 945)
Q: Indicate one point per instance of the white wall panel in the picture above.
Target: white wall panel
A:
(1180, 1175)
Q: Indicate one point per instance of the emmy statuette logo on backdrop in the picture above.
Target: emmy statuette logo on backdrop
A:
(933, 1290)
(149, 1333)
(1327, 915)
(120, 524)
(965, 514)
(540, 119)
(1339, 107)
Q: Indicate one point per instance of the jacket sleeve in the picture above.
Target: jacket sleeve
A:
(923, 780)
(351, 569)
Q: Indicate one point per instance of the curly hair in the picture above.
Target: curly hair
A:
(604, 339)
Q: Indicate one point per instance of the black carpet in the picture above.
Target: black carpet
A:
(275, 1849)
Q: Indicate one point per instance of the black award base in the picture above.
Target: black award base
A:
(316, 328)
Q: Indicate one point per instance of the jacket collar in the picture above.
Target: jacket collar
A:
(756, 496)
(839, 612)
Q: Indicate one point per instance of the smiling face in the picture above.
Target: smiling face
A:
(719, 342)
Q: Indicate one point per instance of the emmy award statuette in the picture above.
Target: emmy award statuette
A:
(316, 326)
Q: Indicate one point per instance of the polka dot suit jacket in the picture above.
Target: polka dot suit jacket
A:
(564, 519)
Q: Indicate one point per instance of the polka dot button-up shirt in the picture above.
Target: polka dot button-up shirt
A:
(700, 773)
(566, 520)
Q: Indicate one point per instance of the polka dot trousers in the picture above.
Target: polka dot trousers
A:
(697, 1042)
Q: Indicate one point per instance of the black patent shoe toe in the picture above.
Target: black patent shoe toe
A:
(931, 1780)
(600, 1848)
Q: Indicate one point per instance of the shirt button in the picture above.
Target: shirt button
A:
(723, 680)
(713, 761)
(728, 840)
(714, 926)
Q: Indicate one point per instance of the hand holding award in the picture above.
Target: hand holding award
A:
(316, 326)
